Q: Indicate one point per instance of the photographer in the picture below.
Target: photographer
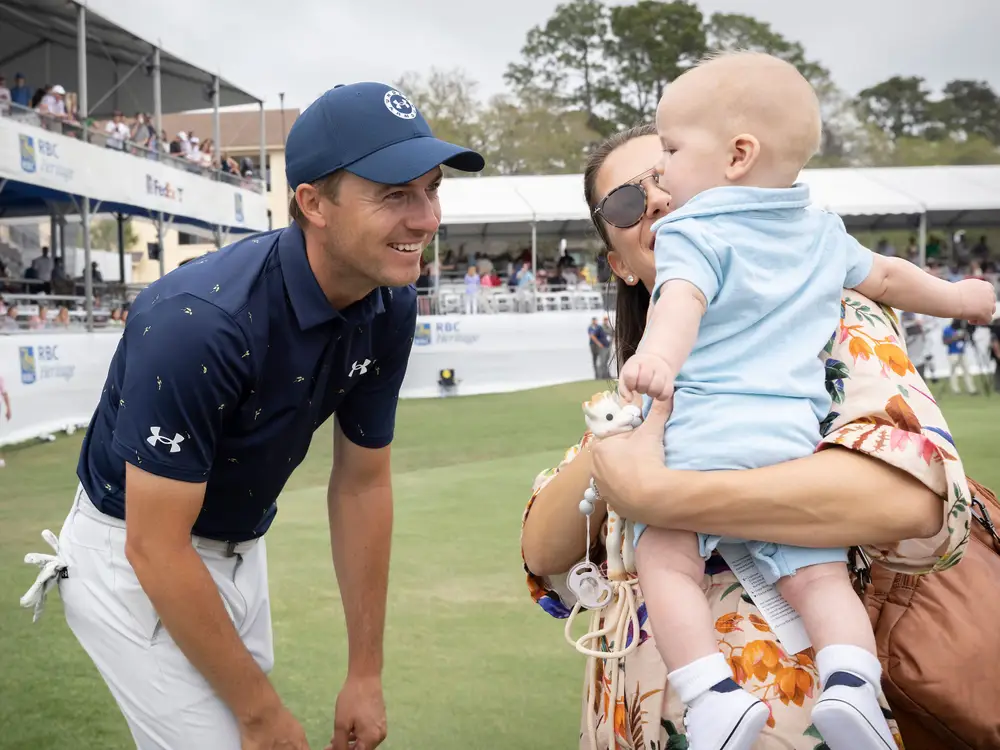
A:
(956, 336)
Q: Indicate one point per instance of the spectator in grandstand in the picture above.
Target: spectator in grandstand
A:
(60, 320)
(39, 95)
(956, 337)
(141, 132)
(472, 282)
(54, 102)
(177, 145)
(21, 94)
(42, 266)
(117, 131)
(9, 322)
(855, 494)
(230, 363)
(5, 97)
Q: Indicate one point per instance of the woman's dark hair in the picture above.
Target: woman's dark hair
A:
(631, 302)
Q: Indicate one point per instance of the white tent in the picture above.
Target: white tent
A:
(866, 198)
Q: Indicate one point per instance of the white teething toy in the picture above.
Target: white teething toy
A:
(610, 600)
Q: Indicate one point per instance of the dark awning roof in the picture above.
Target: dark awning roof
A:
(38, 38)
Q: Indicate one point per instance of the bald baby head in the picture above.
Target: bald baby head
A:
(746, 94)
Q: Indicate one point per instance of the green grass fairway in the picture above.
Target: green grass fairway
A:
(471, 662)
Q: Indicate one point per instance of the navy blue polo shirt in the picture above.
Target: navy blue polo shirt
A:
(226, 368)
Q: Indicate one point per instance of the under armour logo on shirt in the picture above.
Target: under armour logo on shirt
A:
(155, 437)
(359, 367)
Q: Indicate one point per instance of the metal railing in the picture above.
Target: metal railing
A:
(68, 126)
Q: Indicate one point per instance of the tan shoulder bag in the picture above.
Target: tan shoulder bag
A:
(938, 639)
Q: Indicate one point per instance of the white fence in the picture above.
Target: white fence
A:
(54, 379)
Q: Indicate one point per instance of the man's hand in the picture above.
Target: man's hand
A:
(276, 730)
(979, 301)
(619, 462)
(646, 373)
(359, 720)
(7, 416)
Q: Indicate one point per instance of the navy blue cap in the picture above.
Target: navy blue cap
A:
(371, 130)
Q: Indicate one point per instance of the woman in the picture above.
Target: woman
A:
(839, 497)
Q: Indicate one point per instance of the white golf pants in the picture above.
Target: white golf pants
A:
(167, 703)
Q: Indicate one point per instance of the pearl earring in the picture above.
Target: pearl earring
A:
(630, 279)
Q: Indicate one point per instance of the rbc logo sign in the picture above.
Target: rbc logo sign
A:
(48, 353)
(447, 327)
(28, 161)
(29, 370)
(422, 335)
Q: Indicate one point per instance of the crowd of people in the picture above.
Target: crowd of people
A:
(58, 110)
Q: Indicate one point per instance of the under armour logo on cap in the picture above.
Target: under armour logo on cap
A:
(156, 438)
(399, 105)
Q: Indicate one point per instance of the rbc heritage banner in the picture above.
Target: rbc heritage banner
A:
(53, 380)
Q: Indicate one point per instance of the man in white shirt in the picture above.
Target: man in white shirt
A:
(118, 132)
(43, 266)
(54, 102)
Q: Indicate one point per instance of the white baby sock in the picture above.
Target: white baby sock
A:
(720, 714)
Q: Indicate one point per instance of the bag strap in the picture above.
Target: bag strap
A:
(981, 498)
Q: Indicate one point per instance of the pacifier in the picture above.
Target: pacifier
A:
(592, 590)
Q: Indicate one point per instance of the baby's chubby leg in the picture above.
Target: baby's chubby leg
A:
(830, 608)
(847, 713)
(671, 571)
(720, 714)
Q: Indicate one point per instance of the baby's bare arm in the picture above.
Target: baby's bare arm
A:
(901, 284)
(672, 328)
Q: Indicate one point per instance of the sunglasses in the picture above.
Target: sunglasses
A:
(624, 206)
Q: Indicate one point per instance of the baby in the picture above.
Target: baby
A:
(748, 286)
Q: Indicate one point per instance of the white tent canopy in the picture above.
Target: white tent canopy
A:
(867, 198)
(39, 39)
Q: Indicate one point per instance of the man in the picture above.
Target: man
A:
(955, 336)
(20, 94)
(599, 341)
(225, 369)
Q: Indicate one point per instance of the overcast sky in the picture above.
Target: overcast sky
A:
(303, 47)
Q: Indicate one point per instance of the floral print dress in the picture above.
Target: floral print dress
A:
(882, 408)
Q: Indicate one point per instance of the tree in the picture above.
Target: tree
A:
(447, 100)
(534, 136)
(727, 32)
(970, 108)
(651, 44)
(104, 235)
(910, 151)
(899, 106)
(563, 60)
